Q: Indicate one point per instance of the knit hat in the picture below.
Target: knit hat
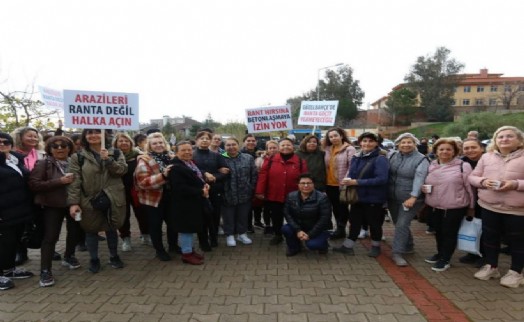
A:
(7, 137)
(406, 135)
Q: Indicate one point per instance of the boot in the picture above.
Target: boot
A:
(191, 259)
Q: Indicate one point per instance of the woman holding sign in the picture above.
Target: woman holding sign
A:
(98, 172)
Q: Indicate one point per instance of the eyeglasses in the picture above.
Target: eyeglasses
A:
(305, 183)
(59, 146)
(5, 142)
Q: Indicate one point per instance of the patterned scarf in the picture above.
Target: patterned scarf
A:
(162, 159)
(195, 169)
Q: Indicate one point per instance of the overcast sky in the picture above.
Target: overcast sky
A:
(220, 57)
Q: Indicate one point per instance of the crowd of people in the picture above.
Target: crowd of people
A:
(210, 187)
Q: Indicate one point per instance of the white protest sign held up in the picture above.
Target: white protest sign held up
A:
(268, 119)
(52, 98)
(100, 110)
(319, 113)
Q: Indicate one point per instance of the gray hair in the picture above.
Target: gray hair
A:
(406, 135)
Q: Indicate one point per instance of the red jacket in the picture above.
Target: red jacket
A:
(277, 177)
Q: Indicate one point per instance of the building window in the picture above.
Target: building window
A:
(507, 88)
(453, 102)
(465, 102)
(493, 88)
(480, 89)
(492, 102)
(521, 88)
(467, 89)
(479, 102)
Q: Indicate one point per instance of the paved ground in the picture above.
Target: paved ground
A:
(258, 283)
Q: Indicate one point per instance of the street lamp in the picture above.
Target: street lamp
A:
(318, 78)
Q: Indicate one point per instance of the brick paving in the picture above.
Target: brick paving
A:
(259, 283)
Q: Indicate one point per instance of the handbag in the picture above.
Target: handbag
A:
(348, 194)
(468, 238)
(101, 202)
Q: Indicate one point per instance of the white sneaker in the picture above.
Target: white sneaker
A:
(126, 244)
(512, 279)
(230, 241)
(244, 239)
(146, 240)
(486, 272)
(363, 234)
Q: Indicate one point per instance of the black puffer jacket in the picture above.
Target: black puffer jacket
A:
(16, 203)
(312, 215)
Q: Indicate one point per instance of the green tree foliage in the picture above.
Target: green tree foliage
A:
(401, 103)
(235, 129)
(435, 78)
(485, 123)
(20, 109)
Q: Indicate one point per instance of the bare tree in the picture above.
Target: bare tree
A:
(511, 94)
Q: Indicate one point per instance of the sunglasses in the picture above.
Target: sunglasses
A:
(59, 146)
(5, 142)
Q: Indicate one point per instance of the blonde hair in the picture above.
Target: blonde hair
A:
(124, 135)
(18, 133)
(493, 145)
(157, 135)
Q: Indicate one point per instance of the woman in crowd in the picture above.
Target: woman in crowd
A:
(408, 169)
(238, 193)
(124, 143)
(151, 175)
(277, 178)
(98, 170)
(449, 197)
(140, 141)
(15, 210)
(258, 205)
(369, 173)
(216, 144)
(310, 151)
(49, 180)
(28, 142)
(499, 177)
(189, 195)
(472, 150)
(308, 216)
(214, 168)
(337, 159)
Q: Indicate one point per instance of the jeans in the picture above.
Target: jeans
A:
(235, 218)
(446, 224)
(186, 242)
(371, 215)
(340, 211)
(403, 239)
(294, 244)
(494, 225)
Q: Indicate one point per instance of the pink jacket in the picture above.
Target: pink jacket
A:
(451, 188)
(342, 160)
(493, 166)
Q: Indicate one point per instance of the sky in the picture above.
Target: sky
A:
(207, 57)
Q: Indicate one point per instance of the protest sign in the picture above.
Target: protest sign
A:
(101, 110)
(52, 98)
(319, 113)
(268, 119)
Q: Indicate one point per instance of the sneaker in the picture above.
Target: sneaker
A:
(276, 240)
(146, 240)
(374, 252)
(71, 262)
(258, 225)
(432, 259)
(57, 257)
(487, 272)
(46, 278)
(163, 256)
(230, 241)
(244, 239)
(399, 260)
(363, 234)
(126, 244)
(344, 250)
(441, 266)
(94, 266)
(6, 283)
(18, 274)
(116, 262)
(512, 279)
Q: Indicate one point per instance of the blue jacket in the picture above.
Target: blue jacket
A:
(372, 188)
